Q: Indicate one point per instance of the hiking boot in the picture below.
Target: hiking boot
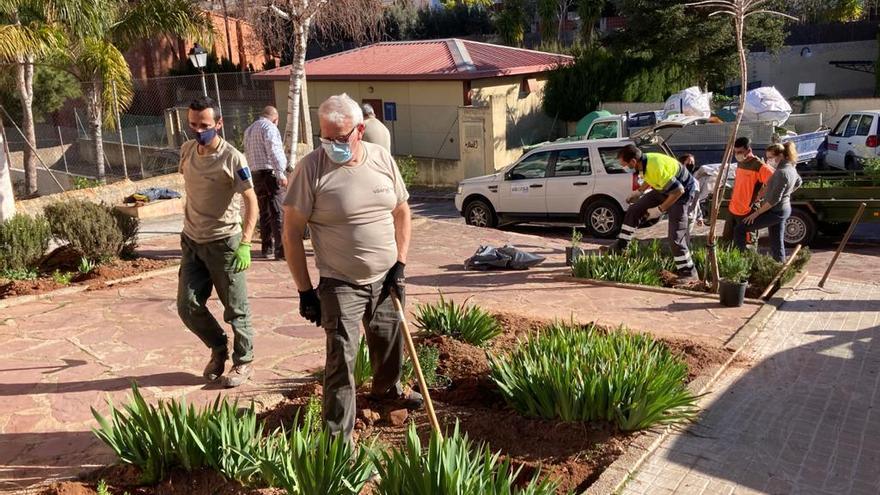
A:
(687, 275)
(238, 375)
(411, 402)
(217, 364)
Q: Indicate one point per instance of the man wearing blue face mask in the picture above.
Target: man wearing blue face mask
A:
(353, 198)
(215, 249)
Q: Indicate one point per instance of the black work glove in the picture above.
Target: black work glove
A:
(310, 306)
(395, 281)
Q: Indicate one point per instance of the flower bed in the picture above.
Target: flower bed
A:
(499, 444)
(651, 264)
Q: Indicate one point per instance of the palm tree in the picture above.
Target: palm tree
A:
(94, 55)
(29, 30)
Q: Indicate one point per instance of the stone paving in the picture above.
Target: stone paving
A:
(62, 356)
(800, 418)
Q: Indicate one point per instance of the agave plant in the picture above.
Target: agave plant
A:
(584, 374)
(450, 466)
(464, 322)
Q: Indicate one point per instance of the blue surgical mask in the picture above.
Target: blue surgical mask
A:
(338, 153)
(205, 137)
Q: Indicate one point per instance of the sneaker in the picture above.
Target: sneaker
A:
(411, 402)
(217, 364)
(238, 375)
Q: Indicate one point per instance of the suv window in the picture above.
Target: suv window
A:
(610, 161)
(603, 130)
(838, 131)
(570, 163)
(851, 126)
(865, 125)
(532, 167)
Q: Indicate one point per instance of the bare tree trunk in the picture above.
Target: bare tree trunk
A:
(93, 110)
(739, 20)
(297, 78)
(25, 83)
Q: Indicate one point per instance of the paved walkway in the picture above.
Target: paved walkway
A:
(61, 356)
(801, 419)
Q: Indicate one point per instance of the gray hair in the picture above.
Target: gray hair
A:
(368, 109)
(339, 108)
(269, 112)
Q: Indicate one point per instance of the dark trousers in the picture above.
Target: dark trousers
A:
(774, 222)
(208, 266)
(678, 234)
(344, 307)
(270, 196)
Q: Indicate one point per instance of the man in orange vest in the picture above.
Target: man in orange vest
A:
(748, 184)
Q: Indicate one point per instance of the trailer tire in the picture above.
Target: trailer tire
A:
(800, 228)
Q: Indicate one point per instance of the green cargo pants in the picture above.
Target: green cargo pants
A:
(344, 307)
(208, 266)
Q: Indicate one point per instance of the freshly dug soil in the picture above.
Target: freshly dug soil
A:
(96, 279)
(572, 453)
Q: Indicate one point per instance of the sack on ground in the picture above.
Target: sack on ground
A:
(503, 258)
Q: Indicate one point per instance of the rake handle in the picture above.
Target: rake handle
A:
(411, 348)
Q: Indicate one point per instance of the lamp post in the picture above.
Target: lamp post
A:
(199, 58)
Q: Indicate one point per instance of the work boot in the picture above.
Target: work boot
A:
(238, 375)
(687, 275)
(217, 364)
(411, 402)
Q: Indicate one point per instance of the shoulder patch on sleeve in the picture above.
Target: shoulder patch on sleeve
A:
(244, 173)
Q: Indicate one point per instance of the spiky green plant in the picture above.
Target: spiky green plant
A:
(363, 369)
(309, 460)
(467, 323)
(579, 373)
(622, 268)
(450, 466)
(170, 434)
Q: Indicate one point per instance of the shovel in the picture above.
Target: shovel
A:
(411, 348)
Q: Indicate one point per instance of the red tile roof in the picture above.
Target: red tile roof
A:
(451, 59)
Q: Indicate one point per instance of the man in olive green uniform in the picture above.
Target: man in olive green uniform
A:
(215, 249)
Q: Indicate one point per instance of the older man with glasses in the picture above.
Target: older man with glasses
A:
(352, 196)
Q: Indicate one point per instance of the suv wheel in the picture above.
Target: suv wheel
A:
(800, 228)
(480, 214)
(603, 219)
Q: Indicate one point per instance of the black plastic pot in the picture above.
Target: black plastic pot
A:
(732, 294)
(573, 253)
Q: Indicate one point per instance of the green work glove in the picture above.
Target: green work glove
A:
(242, 257)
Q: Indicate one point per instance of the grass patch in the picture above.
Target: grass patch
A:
(579, 373)
(467, 323)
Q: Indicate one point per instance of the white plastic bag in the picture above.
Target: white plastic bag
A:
(7, 203)
(691, 102)
(766, 105)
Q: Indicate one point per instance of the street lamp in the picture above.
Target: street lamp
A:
(199, 58)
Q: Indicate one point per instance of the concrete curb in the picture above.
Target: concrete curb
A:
(615, 477)
(19, 300)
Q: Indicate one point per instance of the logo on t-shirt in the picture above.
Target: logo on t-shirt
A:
(244, 173)
(383, 190)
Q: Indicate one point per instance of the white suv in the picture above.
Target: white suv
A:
(855, 138)
(578, 181)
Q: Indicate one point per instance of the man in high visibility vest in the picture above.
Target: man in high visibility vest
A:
(668, 188)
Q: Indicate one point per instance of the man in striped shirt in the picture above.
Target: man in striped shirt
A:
(265, 155)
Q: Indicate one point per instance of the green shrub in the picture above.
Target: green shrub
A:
(172, 435)
(622, 267)
(86, 183)
(129, 227)
(451, 466)
(429, 359)
(19, 274)
(62, 278)
(409, 169)
(735, 265)
(90, 228)
(466, 323)
(309, 460)
(582, 374)
(23, 242)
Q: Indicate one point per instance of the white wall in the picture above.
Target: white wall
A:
(787, 68)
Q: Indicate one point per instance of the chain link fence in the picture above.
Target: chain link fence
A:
(147, 139)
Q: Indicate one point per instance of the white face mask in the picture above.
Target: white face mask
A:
(773, 162)
(741, 157)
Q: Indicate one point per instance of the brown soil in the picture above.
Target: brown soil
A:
(113, 270)
(574, 454)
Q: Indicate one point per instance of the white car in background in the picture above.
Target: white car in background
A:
(573, 181)
(855, 138)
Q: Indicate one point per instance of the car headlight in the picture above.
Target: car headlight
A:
(460, 189)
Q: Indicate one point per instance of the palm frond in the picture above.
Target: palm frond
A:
(148, 18)
(99, 61)
(19, 41)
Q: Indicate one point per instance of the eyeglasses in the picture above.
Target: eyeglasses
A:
(339, 140)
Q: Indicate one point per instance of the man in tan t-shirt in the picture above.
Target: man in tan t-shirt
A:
(215, 249)
(353, 198)
(374, 130)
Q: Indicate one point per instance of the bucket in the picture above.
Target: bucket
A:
(732, 294)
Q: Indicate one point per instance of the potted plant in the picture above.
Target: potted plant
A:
(574, 251)
(735, 269)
